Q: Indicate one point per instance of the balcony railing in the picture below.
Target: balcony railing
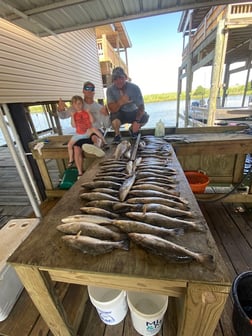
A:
(231, 13)
(108, 54)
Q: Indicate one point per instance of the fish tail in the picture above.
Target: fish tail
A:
(124, 244)
(200, 227)
(78, 234)
(205, 259)
(174, 233)
(179, 231)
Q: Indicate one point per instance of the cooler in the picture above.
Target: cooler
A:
(11, 235)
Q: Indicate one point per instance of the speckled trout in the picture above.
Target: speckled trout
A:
(91, 230)
(164, 221)
(140, 227)
(171, 251)
(94, 246)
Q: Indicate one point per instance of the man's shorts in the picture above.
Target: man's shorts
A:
(128, 117)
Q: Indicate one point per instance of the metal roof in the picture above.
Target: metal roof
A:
(44, 17)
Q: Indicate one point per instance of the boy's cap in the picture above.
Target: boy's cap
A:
(118, 72)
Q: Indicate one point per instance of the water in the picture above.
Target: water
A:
(166, 111)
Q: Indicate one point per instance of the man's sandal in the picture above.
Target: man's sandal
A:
(70, 164)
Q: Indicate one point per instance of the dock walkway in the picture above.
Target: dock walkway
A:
(14, 202)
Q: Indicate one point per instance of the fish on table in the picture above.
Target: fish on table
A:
(90, 229)
(155, 193)
(109, 163)
(127, 154)
(158, 219)
(94, 246)
(129, 226)
(117, 174)
(166, 210)
(129, 167)
(101, 184)
(102, 204)
(86, 218)
(97, 211)
(109, 178)
(160, 200)
(90, 196)
(170, 251)
(111, 169)
(160, 171)
(150, 186)
(108, 191)
(154, 182)
(161, 178)
(126, 186)
(121, 148)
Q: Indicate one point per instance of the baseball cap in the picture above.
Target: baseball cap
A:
(118, 72)
(87, 84)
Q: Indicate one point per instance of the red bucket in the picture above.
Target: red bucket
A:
(197, 180)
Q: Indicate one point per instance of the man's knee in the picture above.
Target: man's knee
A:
(144, 119)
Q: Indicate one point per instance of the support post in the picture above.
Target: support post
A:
(219, 58)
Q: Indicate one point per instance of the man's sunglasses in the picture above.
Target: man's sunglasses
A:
(89, 88)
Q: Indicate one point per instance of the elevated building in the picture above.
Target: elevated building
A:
(216, 36)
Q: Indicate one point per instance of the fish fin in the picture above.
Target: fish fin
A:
(78, 234)
(207, 260)
(200, 227)
(179, 231)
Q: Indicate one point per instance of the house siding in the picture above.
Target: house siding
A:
(34, 69)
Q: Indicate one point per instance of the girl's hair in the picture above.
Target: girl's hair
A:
(77, 98)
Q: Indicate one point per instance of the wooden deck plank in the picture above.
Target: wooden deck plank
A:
(224, 224)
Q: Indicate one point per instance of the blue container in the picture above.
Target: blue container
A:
(242, 310)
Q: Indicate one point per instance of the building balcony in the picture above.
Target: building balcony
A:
(112, 43)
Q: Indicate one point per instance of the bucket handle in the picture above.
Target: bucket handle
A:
(201, 171)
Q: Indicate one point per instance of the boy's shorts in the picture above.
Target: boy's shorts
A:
(88, 140)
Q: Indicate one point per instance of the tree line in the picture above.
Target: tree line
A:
(199, 93)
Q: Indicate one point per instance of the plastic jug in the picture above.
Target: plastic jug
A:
(160, 129)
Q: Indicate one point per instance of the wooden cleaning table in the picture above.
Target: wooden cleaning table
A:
(43, 257)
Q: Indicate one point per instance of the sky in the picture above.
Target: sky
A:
(156, 55)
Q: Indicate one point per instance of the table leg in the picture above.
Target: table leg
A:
(44, 173)
(39, 286)
(202, 309)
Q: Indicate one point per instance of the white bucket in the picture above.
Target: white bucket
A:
(147, 311)
(111, 304)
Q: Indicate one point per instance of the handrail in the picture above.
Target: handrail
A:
(108, 54)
